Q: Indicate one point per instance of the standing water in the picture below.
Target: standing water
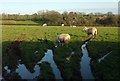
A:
(0, 77)
(49, 58)
(85, 64)
(26, 74)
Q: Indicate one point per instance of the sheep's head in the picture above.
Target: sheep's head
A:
(84, 29)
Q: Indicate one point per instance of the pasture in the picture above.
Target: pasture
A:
(38, 38)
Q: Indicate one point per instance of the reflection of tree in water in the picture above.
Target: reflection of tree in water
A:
(21, 52)
(43, 77)
(29, 57)
(11, 55)
(25, 51)
(69, 68)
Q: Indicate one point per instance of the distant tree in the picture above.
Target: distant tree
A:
(98, 14)
(67, 18)
(34, 17)
(90, 19)
(118, 21)
(53, 17)
(109, 13)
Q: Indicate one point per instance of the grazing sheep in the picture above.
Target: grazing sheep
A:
(92, 31)
(61, 39)
(73, 26)
(62, 25)
(45, 24)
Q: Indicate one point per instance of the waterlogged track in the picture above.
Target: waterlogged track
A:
(97, 48)
(0, 78)
(49, 58)
(85, 68)
(25, 74)
(85, 64)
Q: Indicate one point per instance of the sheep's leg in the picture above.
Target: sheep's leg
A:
(61, 44)
(95, 34)
(56, 43)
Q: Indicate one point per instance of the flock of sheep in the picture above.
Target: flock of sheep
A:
(65, 38)
(61, 25)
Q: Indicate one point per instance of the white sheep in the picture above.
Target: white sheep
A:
(62, 25)
(44, 24)
(92, 31)
(73, 26)
(61, 39)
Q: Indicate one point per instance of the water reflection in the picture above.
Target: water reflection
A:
(0, 77)
(6, 68)
(26, 74)
(49, 58)
(85, 64)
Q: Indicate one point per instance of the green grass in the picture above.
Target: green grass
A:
(106, 40)
(22, 22)
(26, 22)
(41, 38)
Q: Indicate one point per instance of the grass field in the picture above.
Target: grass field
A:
(41, 38)
(22, 22)
(26, 22)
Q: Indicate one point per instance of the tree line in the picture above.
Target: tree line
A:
(54, 18)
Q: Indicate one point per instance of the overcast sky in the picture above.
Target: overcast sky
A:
(33, 6)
